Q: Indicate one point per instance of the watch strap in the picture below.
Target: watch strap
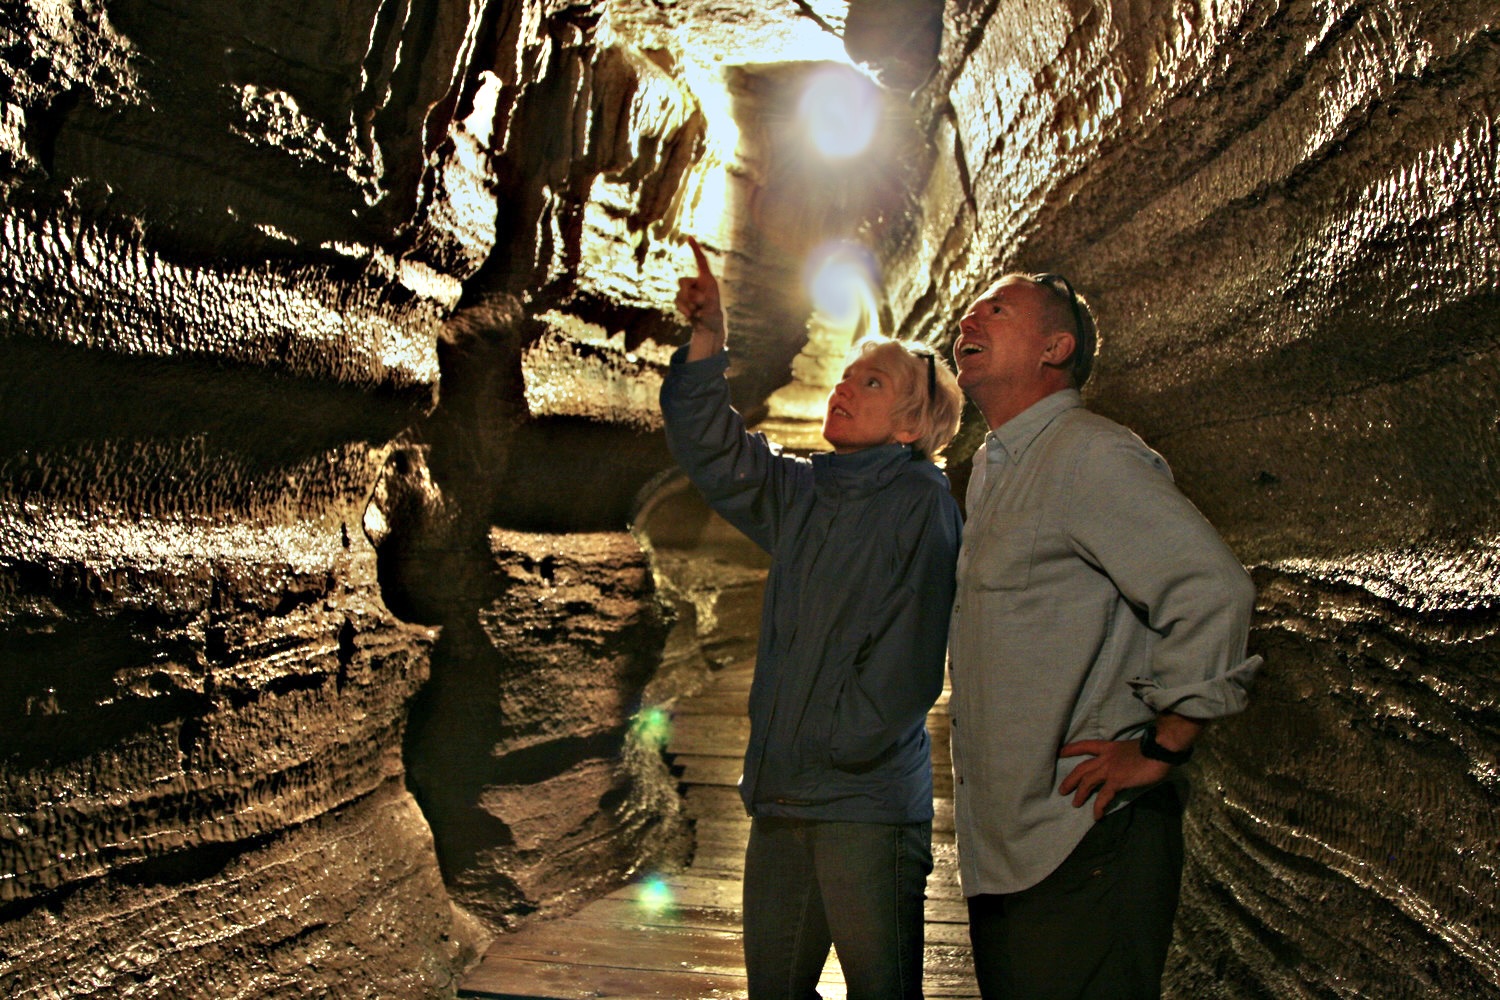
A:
(1155, 751)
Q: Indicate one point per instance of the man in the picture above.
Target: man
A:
(1100, 622)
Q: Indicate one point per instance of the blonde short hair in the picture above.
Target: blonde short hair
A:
(930, 399)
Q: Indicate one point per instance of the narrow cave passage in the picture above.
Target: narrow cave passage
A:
(341, 564)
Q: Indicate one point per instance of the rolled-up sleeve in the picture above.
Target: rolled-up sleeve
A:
(1128, 519)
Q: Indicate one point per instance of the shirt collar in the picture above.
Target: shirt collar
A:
(1011, 439)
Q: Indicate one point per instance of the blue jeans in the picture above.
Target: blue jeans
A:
(857, 886)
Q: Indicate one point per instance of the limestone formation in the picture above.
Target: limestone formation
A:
(341, 560)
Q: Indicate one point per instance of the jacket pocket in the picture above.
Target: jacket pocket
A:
(819, 708)
(1001, 555)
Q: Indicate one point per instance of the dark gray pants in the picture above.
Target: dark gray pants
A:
(1099, 926)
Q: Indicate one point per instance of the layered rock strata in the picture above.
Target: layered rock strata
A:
(1285, 215)
(329, 336)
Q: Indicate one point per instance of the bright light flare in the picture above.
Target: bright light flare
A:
(841, 111)
(655, 895)
(841, 281)
(652, 727)
(704, 200)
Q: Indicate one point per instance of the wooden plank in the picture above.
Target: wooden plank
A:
(703, 770)
(733, 678)
(721, 860)
(627, 947)
(709, 735)
(724, 856)
(703, 890)
(947, 890)
(687, 898)
(616, 964)
(504, 978)
(950, 934)
(611, 912)
(942, 818)
(714, 802)
(947, 911)
(718, 822)
(731, 704)
(722, 841)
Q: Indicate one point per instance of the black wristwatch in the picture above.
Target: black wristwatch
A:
(1155, 751)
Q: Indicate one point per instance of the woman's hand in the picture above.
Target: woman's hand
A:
(698, 301)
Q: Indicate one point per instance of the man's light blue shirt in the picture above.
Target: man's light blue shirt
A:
(1092, 595)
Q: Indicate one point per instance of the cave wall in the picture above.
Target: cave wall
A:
(239, 532)
(1286, 217)
(329, 340)
(201, 783)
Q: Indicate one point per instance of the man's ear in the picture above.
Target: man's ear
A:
(1059, 349)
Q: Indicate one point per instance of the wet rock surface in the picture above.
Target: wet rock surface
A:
(1284, 215)
(329, 341)
(532, 751)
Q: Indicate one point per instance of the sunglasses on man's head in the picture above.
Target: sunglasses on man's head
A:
(1062, 286)
(1083, 355)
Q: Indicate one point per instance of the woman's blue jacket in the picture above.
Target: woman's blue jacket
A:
(854, 625)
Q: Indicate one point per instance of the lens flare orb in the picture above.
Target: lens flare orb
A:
(655, 895)
(841, 111)
(842, 283)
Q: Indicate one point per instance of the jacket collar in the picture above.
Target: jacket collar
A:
(862, 471)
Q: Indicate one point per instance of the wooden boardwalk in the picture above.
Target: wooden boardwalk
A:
(677, 936)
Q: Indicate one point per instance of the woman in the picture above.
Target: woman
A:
(863, 540)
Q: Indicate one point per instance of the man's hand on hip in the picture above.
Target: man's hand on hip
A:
(1113, 766)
